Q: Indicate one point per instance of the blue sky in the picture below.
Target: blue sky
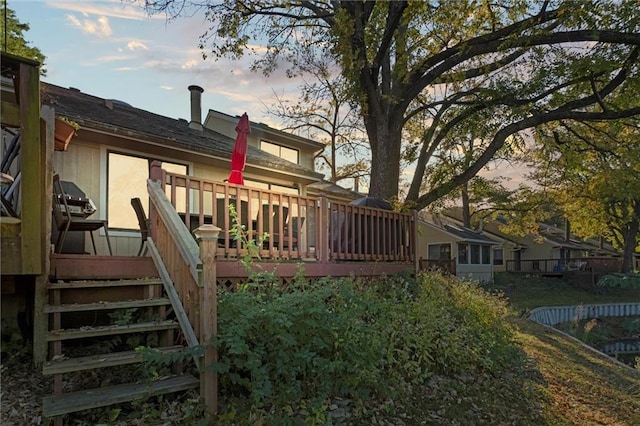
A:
(113, 50)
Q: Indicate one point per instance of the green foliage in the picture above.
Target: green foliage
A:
(620, 280)
(290, 349)
(12, 38)
(483, 70)
(251, 245)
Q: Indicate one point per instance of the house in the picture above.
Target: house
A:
(458, 250)
(550, 251)
(177, 168)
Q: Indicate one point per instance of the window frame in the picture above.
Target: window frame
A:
(280, 147)
(104, 197)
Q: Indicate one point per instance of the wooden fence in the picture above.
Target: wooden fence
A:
(596, 265)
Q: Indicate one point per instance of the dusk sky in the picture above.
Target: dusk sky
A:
(113, 50)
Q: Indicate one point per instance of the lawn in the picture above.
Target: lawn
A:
(526, 292)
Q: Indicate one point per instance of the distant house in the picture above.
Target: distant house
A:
(462, 251)
(550, 250)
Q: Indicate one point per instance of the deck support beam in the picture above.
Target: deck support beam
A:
(207, 237)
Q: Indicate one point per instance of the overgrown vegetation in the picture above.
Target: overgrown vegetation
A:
(394, 350)
(288, 352)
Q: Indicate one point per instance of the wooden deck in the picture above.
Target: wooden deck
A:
(71, 266)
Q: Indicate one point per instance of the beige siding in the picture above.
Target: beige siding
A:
(81, 164)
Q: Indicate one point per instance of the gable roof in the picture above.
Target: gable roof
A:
(297, 140)
(119, 118)
(551, 234)
(459, 232)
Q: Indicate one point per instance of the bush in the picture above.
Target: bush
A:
(283, 350)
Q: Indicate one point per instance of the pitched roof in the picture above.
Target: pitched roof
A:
(119, 118)
(467, 234)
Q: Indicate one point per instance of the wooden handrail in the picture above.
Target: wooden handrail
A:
(177, 230)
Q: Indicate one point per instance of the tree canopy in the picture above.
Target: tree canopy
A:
(592, 171)
(12, 37)
(509, 65)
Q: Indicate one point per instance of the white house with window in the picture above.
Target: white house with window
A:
(472, 253)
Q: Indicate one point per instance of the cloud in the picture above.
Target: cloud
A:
(112, 9)
(99, 28)
(113, 58)
(189, 64)
(166, 87)
(136, 45)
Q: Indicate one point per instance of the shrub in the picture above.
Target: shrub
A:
(283, 349)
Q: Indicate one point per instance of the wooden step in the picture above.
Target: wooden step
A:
(58, 405)
(89, 267)
(70, 365)
(96, 284)
(79, 307)
(80, 333)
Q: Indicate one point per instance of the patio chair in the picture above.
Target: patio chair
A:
(243, 217)
(293, 223)
(143, 223)
(67, 222)
(271, 222)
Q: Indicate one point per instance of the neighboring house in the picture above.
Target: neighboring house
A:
(552, 249)
(444, 243)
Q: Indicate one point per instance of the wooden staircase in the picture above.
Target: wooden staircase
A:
(100, 309)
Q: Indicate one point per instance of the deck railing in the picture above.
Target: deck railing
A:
(444, 265)
(298, 227)
(558, 266)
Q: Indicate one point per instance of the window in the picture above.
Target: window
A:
(127, 178)
(486, 255)
(280, 151)
(475, 254)
(463, 253)
(440, 251)
(498, 256)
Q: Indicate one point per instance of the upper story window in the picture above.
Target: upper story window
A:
(283, 152)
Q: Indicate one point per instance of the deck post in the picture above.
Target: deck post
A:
(155, 174)
(207, 237)
(323, 230)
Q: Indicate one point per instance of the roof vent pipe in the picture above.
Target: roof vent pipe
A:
(196, 108)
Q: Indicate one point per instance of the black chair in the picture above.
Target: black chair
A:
(67, 222)
(293, 222)
(271, 222)
(143, 223)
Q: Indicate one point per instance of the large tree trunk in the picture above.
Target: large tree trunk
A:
(385, 157)
(631, 239)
